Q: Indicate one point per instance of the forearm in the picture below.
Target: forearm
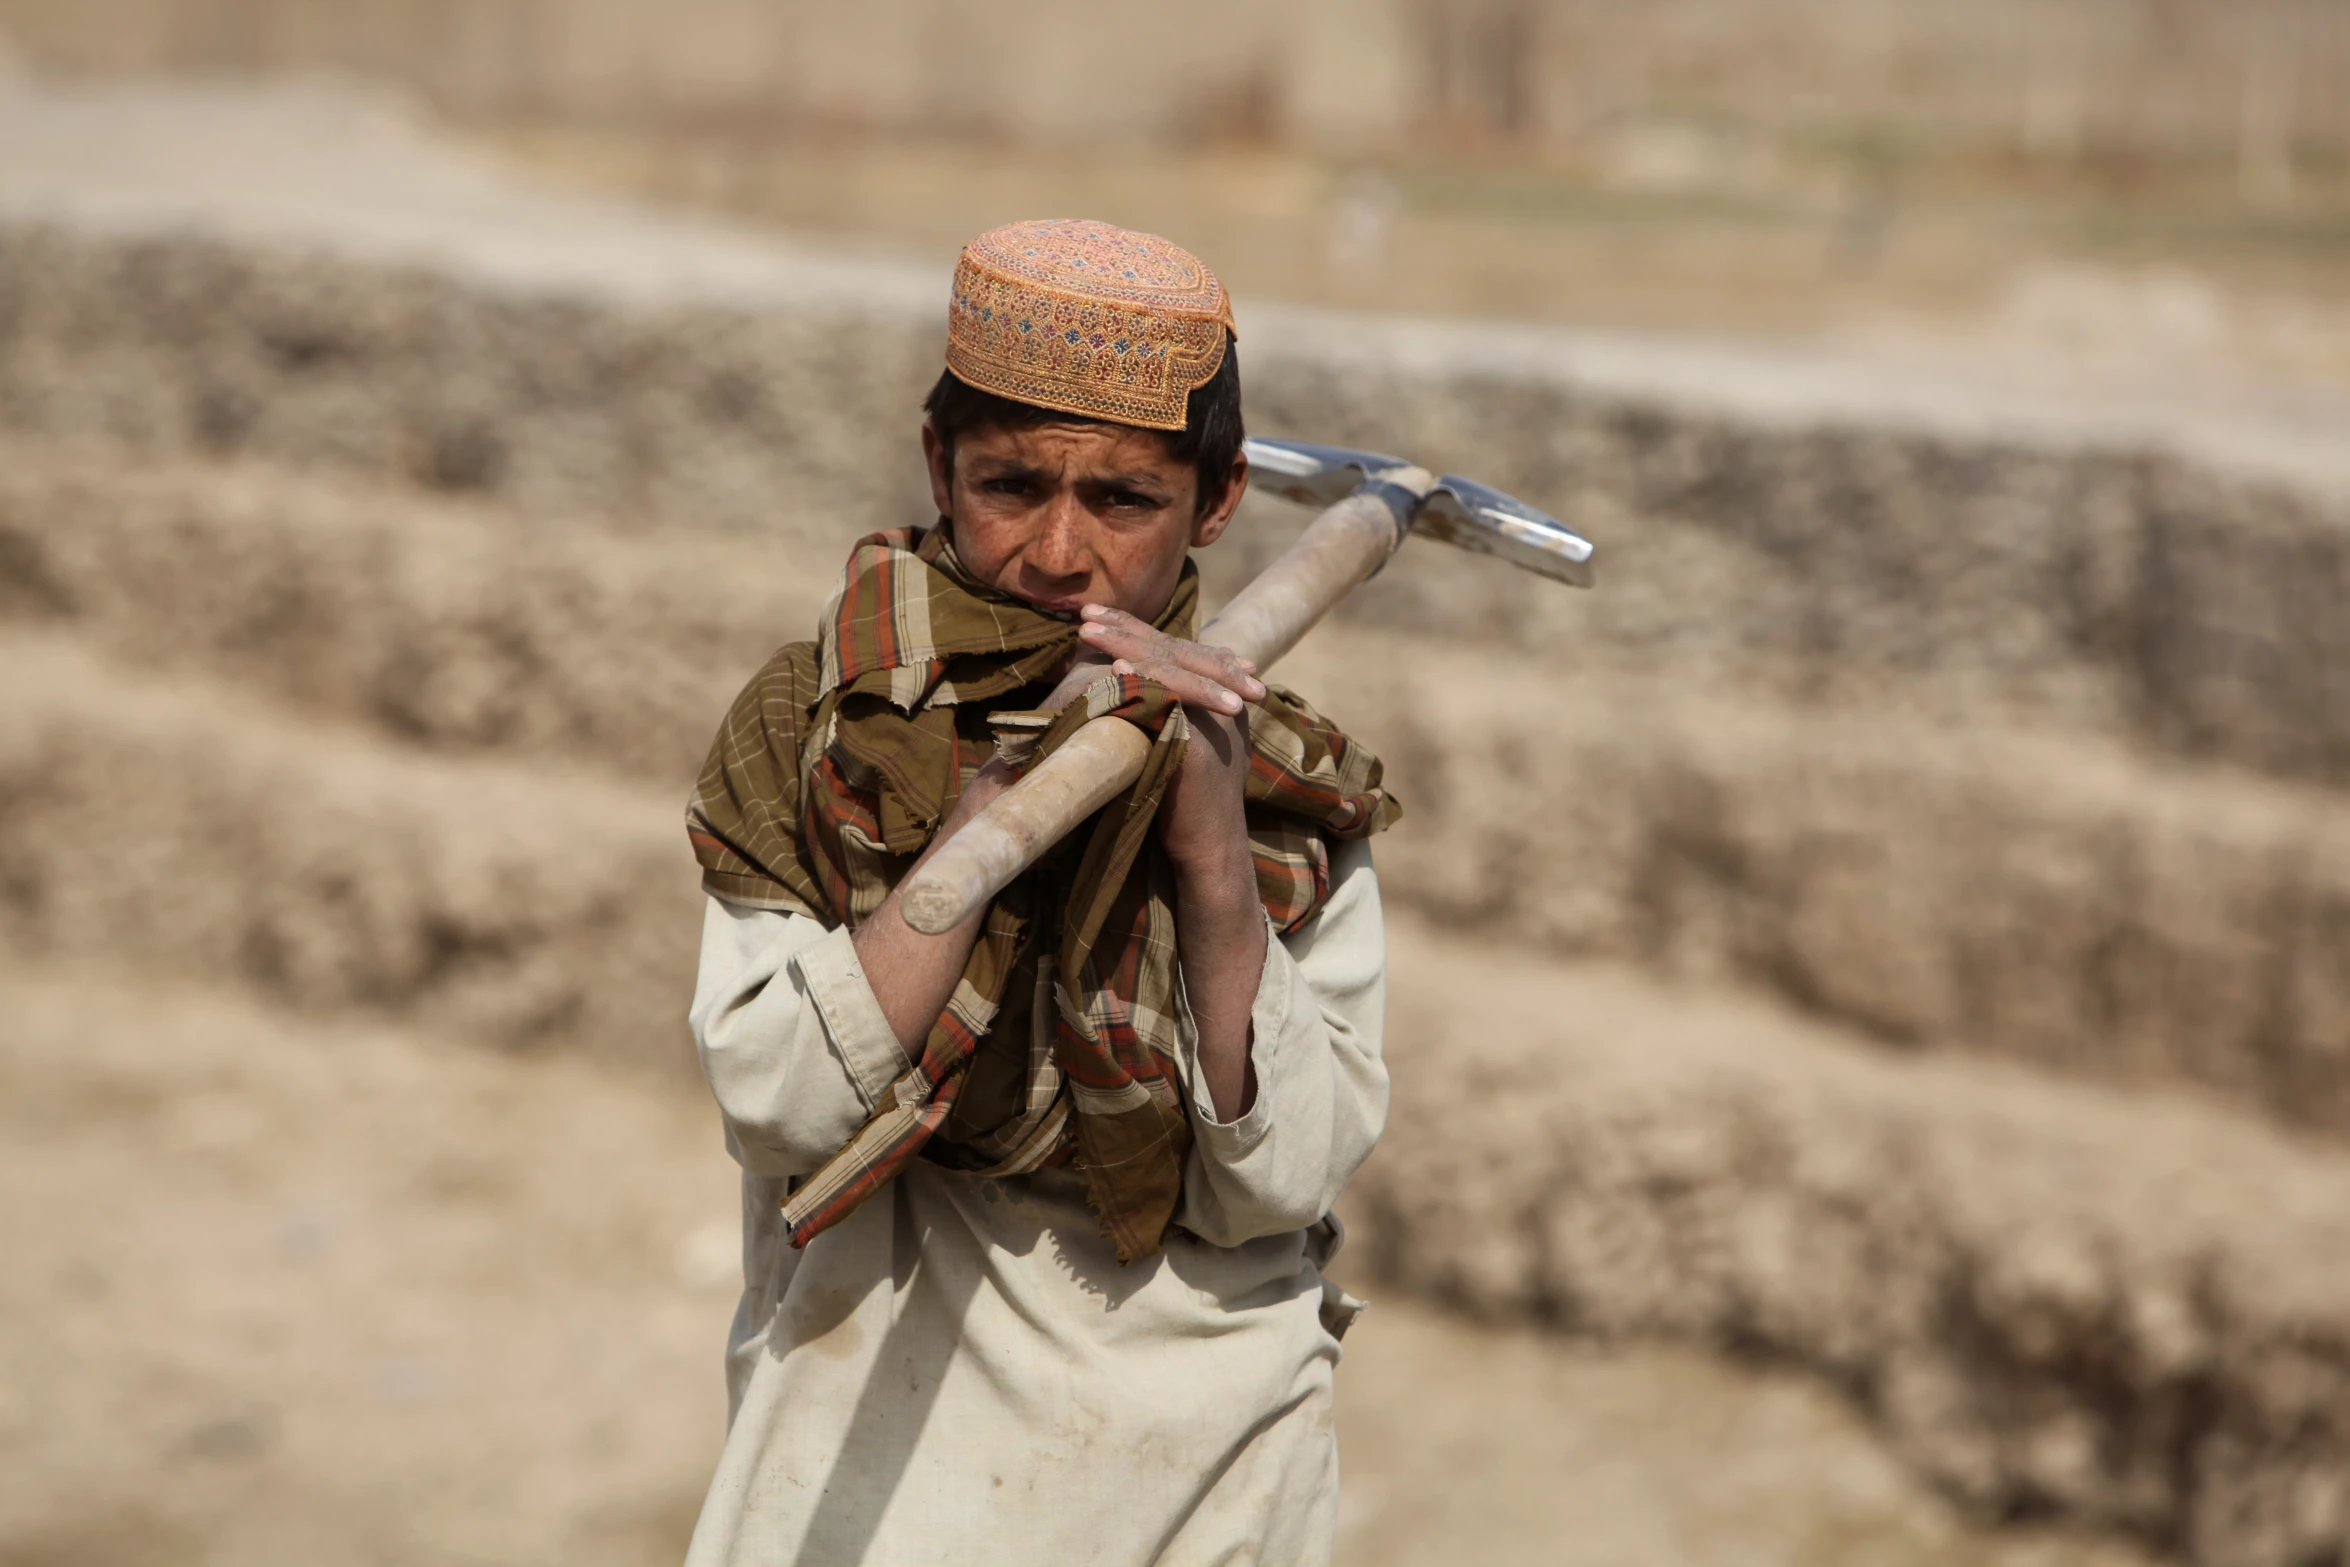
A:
(1321, 1093)
(1220, 935)
(1219, 923)
(912, 974)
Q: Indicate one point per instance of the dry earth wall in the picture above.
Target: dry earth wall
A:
(2120, 1308)
(182, 830)
(2184, 606)
(2058, 898)
(1962, 739)
(2108, 1307)
(364, 623)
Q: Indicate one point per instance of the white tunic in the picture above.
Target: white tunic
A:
(961, 1372)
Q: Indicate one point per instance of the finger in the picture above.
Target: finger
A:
(1205, 681)
(1221, 665)
(1248, 665)
(1116, 619)
(1122, 634)
(1186, 686)
(1129, 637)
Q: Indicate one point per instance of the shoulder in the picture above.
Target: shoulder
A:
(793, 674)
(774, 704)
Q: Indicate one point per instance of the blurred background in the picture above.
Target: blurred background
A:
(1871, 983)
(2174, 168)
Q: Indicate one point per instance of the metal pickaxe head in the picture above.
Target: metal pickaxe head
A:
(1458, 511)
(1369, 504)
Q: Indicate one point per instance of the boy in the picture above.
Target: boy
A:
(1036, 1210)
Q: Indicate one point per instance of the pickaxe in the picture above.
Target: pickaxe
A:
(1372, 503)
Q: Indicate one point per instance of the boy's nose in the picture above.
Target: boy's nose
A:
(1058, 549)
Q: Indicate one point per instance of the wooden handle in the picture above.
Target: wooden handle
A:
(1336, 553)
(1020, 824)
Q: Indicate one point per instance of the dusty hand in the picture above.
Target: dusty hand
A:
(1202, 824)
(912, 973)
(1216, 679)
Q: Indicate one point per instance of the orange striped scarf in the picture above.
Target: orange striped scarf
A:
(838, 762)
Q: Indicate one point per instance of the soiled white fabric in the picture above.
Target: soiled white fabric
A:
(961, 1372)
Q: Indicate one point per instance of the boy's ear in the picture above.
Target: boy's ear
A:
(941, 463)
(1209, 526)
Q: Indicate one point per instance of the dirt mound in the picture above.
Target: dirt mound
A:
(2123, 1309)
(206, 835)
(286, 1293)
(2049, 894)
(364, 1296)
(2006, 1270)
(2186, 607)
(2049, 897)
(442, 623)
(372, 574)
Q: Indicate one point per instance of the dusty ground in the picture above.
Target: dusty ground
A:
(2024, 281)
(376, 518)
(287, 1292)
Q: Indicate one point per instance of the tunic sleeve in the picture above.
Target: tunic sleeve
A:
(794, 1045)
(1321, 1085)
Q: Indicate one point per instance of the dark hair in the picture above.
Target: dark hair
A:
(1209, 440)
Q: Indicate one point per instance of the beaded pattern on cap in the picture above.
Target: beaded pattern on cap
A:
(1086, 319)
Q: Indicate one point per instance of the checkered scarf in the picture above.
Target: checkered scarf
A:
(837, 764)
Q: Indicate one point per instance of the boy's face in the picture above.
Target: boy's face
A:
(1066, 515)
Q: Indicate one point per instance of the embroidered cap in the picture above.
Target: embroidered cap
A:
(1084, 318)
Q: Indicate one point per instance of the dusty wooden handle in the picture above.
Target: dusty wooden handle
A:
(1338, 550)
(1336, 554)
(1024, 821)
